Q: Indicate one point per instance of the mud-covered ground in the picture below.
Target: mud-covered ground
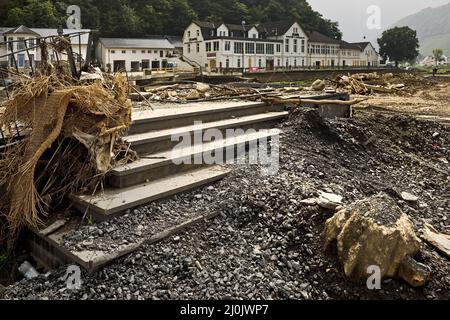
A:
(265, 243)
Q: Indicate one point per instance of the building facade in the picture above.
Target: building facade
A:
(115, 54)
(22, 37)
(218, 47)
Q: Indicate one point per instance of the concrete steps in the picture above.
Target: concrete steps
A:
(113, 202)
(145, 121)
(165, 167)
(159, 140)
(168, 162)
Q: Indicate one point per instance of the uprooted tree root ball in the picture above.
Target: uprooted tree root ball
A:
(72, 138)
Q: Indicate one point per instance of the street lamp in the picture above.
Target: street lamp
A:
(243, 47)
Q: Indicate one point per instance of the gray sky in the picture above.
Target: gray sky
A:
(352, 16)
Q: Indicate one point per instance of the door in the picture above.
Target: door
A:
(135, 66)
(119, 65)
(269, 64)
(21, 60)
(155, 65)
(212, 65)
(145, 64)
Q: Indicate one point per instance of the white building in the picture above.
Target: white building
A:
(219, 46)
(25, 37)
(431, 61)
(115, 54)
(323, 51)
(269, 46)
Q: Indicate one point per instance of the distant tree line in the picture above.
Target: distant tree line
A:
(137, 18)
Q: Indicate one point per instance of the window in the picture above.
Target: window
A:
(208, 46)
(269, 48)
(254, 36)
(198, 33)
(124, 51)
(189, 34)
(198, 47)
(287, 46)
(238, 47)
(295, 45)
(260, 48)
(133, 51)
(113, 51)
(295, 62)
(278, 62)
(216, 45)
(239, 63)
(278, 48)
(149, 51)
(161, 54)
(21, 44)
(227, 45)
(155, 52)
(259, 63)
(31, 43)
(227, 63)
(249, 47)
(142, 51)
(189, 48)
(303, 46)
(10, 44)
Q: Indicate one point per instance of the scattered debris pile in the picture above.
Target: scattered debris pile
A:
(72, 139)
(369, 83)
(196, 91)
(375, 232)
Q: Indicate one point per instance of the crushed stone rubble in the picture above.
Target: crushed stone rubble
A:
(267, 241)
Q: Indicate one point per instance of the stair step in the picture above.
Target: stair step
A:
(113, 202)
(157, 165)
(144, 121)
(160, 140)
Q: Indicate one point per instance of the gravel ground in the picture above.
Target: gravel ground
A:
(265, 243)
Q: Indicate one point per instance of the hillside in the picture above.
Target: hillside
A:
(137, 18)
(433, 28)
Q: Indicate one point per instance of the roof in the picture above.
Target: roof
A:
(349, 46)
(361, 45)
(176, 41)
(137, 43)
(21, 30)
(315, 36)
(45, 32)
(276, 28)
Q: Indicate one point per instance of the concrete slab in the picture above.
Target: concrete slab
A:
(112, 202)
(171, 156)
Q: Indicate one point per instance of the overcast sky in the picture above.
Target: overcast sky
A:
(352, 16)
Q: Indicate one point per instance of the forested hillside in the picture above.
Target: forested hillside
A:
(433, 28)
(143, 17)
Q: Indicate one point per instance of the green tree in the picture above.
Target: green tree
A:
(438, 55)
(399, 44)
(34, 13)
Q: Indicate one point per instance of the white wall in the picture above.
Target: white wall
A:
(107, 56)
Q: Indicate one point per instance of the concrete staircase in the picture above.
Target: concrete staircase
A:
(157, 174)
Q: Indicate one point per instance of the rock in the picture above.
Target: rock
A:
(329, 200)
(414, 273)
(438, 240)
(193, 95)
(318, 85)
(409, 197)
(372, 232)
(310, 201)
(202, 87)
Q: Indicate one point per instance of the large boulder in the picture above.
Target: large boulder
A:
(372, 232)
